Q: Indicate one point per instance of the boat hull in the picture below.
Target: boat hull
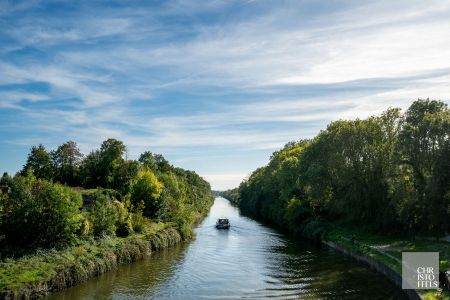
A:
(222, 226)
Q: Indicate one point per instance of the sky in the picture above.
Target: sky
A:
(214, 86)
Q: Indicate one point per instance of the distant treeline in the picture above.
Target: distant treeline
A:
(42, 205)
(387, 173)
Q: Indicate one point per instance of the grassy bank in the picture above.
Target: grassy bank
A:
(47, 271)
(386, 250)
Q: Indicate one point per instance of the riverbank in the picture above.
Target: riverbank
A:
(380, 253)
(34, 276)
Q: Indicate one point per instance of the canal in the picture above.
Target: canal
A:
(248, 261)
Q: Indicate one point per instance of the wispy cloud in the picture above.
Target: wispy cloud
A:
(237, 78)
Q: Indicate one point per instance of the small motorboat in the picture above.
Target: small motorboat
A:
(223, 223)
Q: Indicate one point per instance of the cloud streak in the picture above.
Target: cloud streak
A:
(237, 78)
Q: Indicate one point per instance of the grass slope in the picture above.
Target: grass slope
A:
(45, 271)
(389, 250)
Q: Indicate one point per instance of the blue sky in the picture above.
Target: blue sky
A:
(215, 86)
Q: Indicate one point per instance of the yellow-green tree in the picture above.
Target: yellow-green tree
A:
(147, 188)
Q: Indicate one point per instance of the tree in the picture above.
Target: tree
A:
(147, 189)
(123, 175)
(40, 162)
(148, 160)
(111, 152)
(173, 196)
(418, 141)
(107, 168)
(392, 169)
(424, 147)
(161, 163)
(91, 174)
(66, 159)
(154, 162)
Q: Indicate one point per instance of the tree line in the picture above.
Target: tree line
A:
(62, 196)
(388, 173)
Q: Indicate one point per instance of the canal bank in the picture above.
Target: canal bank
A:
(45, 272)
(384, 254)
(378, 266)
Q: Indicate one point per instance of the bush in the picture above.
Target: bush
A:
(86, 227)
(103, 215)
(138, 220)
(123, 225)
(147, 188)
(38, 213)
(124, 229)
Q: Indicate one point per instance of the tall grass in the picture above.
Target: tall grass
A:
(34, 276)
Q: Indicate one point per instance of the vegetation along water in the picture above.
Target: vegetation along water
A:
(377, 186)
(67, 217)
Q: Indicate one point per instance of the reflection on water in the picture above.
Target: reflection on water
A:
(248, 261)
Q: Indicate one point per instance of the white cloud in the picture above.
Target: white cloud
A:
(12, 99)
(358, 59)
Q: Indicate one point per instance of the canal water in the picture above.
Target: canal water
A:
(248, 261)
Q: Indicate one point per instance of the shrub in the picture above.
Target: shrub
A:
(137, 218)
(86, 227)
(103, 215)
(123, 225)
(38, 213)
(125, 228)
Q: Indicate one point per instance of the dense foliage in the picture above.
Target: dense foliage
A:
(388, 173)
(62, 196)
(147, 189)
(37, 213)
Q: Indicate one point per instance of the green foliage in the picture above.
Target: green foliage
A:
(107, 168)
(37, 213)
(86, 227)
(124, 225)
(138, 220)
(232, 195)
(425, 145)
(111, 152)
(104, 215)
(150, 187)
(148, 160)
(123, 175)
(185, 198)
(393, 170)
(40, 163)
(147, 189)
(154, 162)
(66, 160)
(90, 172)
(173, 197)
